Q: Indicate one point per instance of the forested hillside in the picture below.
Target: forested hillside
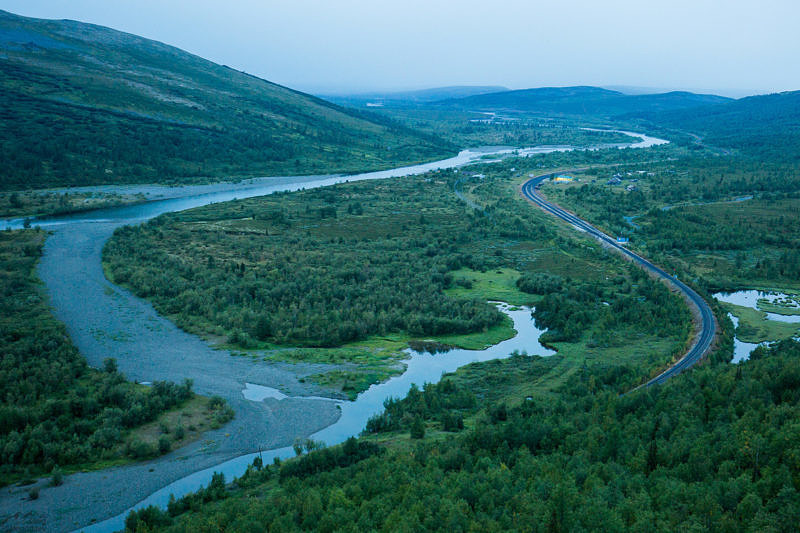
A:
(584, 101)
(766, 126)
(82, 104)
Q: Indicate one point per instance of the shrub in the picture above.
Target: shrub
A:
(58, 477)
(164, 444)
(139, 449)
(146, 519)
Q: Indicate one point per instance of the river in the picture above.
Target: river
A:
(421, 368)
(105, 320)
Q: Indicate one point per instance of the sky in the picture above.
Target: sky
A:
(731, 47)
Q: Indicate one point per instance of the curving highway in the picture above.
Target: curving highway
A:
(701, 343)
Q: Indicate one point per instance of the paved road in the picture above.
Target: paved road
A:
(703, 338)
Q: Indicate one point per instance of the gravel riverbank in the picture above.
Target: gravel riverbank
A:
(107, 321)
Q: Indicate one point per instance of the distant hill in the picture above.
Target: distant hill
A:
(581, 100)
(405, 98)
(767, 125)
(83, 104)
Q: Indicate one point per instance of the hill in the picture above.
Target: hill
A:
(765, 125)
(582, 100)
(82, 104)
(411, 98)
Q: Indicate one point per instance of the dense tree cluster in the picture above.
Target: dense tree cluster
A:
(282, 269)
(785, 265)
(636, 301)
(540, 283)
(441, 401)
(715, 448)
(55, 410)
(312, 296)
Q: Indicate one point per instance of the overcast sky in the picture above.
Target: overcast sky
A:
(730, 47)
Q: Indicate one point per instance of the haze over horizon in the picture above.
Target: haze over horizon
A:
(732, 49)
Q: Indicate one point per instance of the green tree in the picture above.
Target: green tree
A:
(417, 428)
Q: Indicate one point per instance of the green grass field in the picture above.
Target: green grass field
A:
(755, 327)
(495, 285)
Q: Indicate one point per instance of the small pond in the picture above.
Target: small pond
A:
(777, 306)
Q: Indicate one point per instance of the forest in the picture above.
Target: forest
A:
(762, 127)
(637, 302)
(57, 413)
(713, 449)
(318, 268)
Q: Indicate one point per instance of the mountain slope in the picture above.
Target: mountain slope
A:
(582, 100)
(765, 125)
(84, 104)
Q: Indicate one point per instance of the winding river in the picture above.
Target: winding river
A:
(105, 320)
